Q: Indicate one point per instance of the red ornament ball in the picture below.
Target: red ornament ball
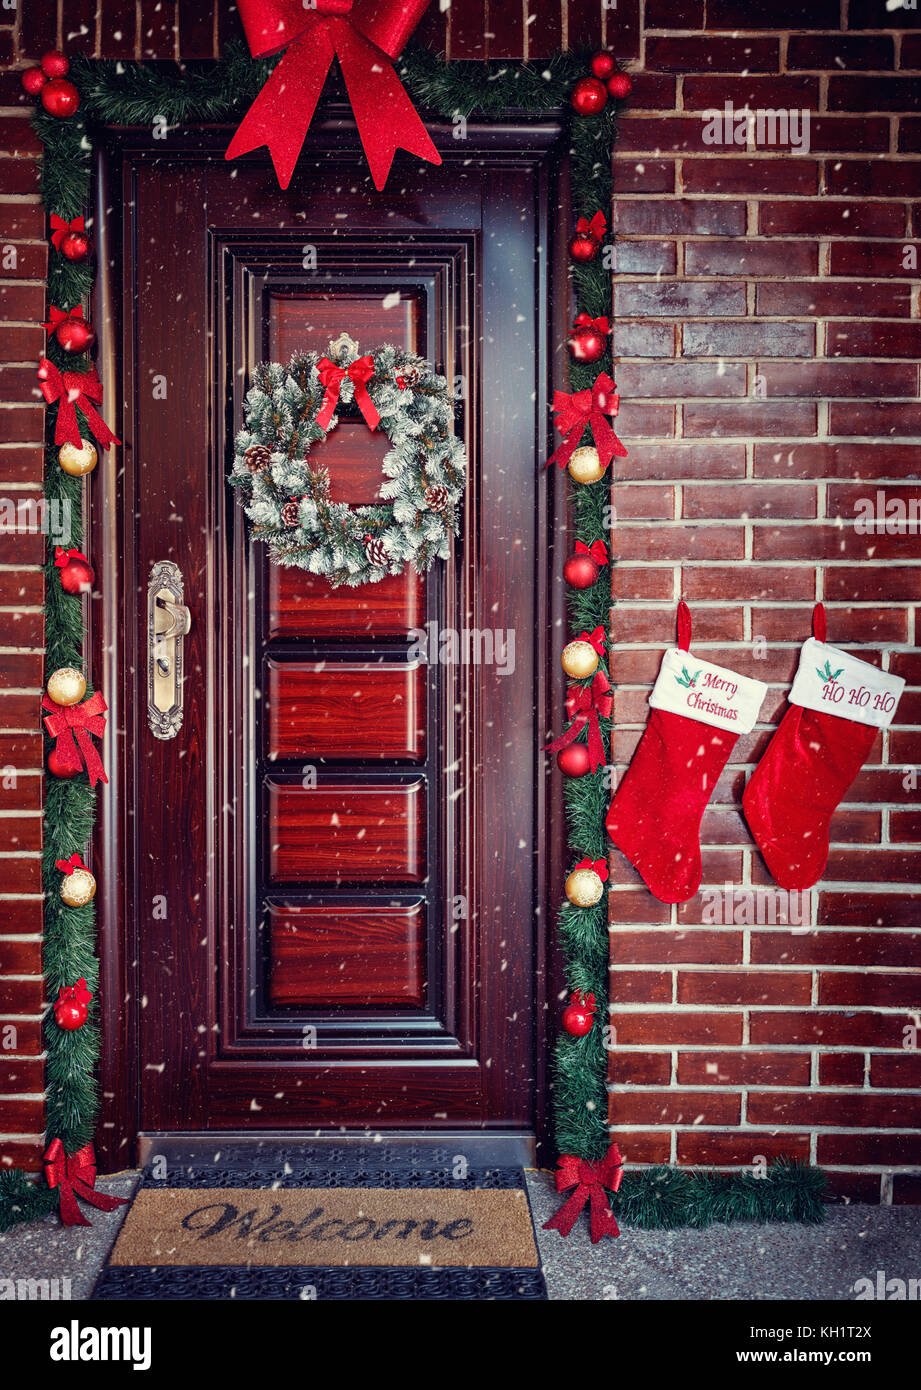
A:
(574, 760)
(578, 1016)
(75, 335)
(55, 64)
(589, 96)
(33, 80)
(620, 85)
(60, 97)
(580, 571)
(603, 64)
(584, 247)
(75, 246)
(57, 767)
(77, 576)
(70, 1014)
(587, 344)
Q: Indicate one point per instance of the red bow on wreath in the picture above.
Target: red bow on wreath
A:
(577, 412)
(60, 227)
(594, 639)
(584, 704)
(365, 35)
(72, 725)
(590, 1181)
(75, 1176)
(599, 866)
(596, 227)
(332, 377)
(597, 550)
(73, 389)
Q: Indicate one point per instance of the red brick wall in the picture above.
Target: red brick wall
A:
(774, 262)
(768, 335)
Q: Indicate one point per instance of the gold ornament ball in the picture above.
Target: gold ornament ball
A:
(579, 660)
(585, 465)
(77, 461)
(584, 888)
(67, 686)
(78, 888)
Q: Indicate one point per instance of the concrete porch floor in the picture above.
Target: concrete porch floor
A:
(740, 1261)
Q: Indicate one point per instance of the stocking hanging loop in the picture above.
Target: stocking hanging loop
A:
(684, 626)
(819, 623)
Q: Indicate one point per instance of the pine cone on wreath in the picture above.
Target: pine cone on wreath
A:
(408, 376)
(436, 497)
(290, 511)
(376, 551)
(258, 458)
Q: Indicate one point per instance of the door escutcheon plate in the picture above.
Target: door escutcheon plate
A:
(168, 624)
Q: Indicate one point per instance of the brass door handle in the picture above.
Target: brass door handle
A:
(181, 625)
(169, 622)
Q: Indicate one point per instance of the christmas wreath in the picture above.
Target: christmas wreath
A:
(290, 410)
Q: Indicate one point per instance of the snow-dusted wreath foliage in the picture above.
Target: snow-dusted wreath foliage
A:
(286, 494)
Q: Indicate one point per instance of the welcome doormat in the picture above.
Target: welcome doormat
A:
(247, 1227)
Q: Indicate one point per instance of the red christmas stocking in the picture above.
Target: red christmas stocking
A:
(698, 712)
(836, 706)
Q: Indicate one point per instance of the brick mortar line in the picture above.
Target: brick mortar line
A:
(745, 1050)
(738, 1128)
(614, 929)
(779, 968)
(689, 1010)
(705, 1088)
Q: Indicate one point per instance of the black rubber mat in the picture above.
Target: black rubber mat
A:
(356, 1282)
(324, 1166)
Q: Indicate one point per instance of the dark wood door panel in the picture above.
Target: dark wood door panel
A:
(358, 1094)
(353, 456)
(345, 710)
(287, 904)
(299, 604)
(345, 833)
(296, 319)
(368, 956)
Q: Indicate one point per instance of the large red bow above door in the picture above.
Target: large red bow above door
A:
(364, 35)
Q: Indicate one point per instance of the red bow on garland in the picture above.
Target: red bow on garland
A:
(332, 377)
(57, 316)
(73, 389)
(597, 550)
(589, 1181)
(584, 704)
(62, 557)
(78, 992)
(594, 639)
(364, 35)
(67, 867)
(602, 325)
(72, 725)
(576, 412)
(75, 1176)
(60, 227)
(596, 227)
(600, 867)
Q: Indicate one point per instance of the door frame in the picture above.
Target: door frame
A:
(115, 651)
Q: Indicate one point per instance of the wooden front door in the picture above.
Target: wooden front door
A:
(332, 906)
